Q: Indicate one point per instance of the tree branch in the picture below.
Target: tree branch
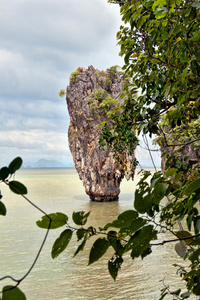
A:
(175, 240)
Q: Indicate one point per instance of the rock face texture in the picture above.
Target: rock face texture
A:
(90, 95)
(182, 136)
(186, 151)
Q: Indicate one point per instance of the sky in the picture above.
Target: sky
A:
(42, 43)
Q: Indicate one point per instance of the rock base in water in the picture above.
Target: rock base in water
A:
(103, 198)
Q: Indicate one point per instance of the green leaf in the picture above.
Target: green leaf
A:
(146, 252)
(57, 220)
(80, 233)
(15, 165)
(184, 58)
(178, 176)
(133, 227)
(17, 187)
(163, 295)
(139, 242)
(196, 289)
(80, 217)
(80, 247)
(115, 242)
(61, 243)
(189, 220)
(4, 173)
(195, 255)
(196, 4)
(177, 292)
(170, 172)
(168, 88)
(185, 71)
(123, 220)
(103, 123)
(160, 12)
(114, 264)
(159, 192)
(158, 3)
(2, 209)
(143, 203)
(181, 248)
(196, 36)
(139, 203)
(141, 21)
(197, 225)
(196, 241)
(12, 293)
(192, 187)
(184, 234)
(154, 180)
(98, 249)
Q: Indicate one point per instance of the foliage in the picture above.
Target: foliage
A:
(11, 293)
(160, 44)
(15, 186)
(100, 101)
(62, 93)
(184, 137)
(112, 71)
(75, 74)
(161, 51)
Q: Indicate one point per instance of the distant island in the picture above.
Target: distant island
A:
(45, 163)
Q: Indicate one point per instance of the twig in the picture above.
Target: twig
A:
(175, 240)
(18, 281)
(146, 142)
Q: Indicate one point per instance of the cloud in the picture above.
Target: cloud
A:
(42, 42)
(34, 144)
(29, 114)
(58, 24)
(142, 152)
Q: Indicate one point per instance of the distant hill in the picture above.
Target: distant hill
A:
(45, 163)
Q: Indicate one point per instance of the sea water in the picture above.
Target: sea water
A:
(68, 277)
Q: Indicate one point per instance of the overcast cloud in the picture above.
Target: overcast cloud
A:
(42, 42)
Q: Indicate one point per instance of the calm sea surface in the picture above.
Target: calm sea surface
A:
(60, 190)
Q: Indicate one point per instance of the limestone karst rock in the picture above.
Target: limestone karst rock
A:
(181, 141)
(90, 94)
(187, 153)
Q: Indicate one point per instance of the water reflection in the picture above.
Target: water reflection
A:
(102, 213)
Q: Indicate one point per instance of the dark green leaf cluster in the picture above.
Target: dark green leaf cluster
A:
(14, 185)
(11, 292)
(133, 233)
(160, 43)
(183, 202)
(161, 49)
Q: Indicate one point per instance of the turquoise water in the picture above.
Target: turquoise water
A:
(66, 277)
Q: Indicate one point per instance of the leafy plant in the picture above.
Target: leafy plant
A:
(75, 74)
